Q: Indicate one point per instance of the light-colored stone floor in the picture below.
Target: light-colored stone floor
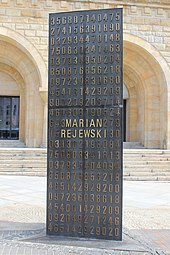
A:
(146, 206)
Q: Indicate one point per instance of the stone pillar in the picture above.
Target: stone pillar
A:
(30, 120)
(44, 96)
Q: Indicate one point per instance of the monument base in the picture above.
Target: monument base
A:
(71, 245)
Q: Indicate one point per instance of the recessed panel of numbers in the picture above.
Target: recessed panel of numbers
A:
(84, 193)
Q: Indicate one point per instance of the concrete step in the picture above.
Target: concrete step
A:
(33, 165)
(138, 164)
(141, 155)
(23, 161)
(140, 152)
(23, 154)
(23, 157)
(151, 172)
(152, 161)
(146, 178)
(22, 151)
(146, 162)
(11, 144)
(24, 173)
(147, 173)
(23, 169)
(146, 167)
(133, 145)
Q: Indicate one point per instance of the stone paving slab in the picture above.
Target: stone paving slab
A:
(40, 249)
(127, 244)
(35, 242)
(146, 223)
(156, 239)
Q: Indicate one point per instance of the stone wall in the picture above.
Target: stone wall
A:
(146, 63)
(149, 20)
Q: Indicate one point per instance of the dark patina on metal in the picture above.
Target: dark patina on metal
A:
(85, 124)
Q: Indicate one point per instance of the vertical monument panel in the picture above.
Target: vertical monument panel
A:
(85, 124)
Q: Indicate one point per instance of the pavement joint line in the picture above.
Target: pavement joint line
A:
(21, 239)
(26, 243)
(150, 247)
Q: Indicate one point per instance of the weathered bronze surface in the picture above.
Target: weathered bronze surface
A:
(85, 124)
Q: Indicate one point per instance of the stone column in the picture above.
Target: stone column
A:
(30, 120)
(44, 96)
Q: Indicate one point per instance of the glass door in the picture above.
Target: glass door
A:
(9, 117)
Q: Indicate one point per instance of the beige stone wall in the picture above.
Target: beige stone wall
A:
(8, 85)
(30, 19)
(24, 25)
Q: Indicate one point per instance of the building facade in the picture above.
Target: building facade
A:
(24, 68)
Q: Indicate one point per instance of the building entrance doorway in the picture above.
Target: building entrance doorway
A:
(9, 117)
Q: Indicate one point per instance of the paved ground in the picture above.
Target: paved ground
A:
(146, 223)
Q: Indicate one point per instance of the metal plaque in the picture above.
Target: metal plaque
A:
(85, 124)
